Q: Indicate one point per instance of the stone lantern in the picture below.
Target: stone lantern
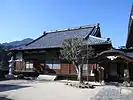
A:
(11, 64)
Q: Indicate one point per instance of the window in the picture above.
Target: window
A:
(84, 67)
(56, 64)
(29, 65)
(52, 64)
(48, 64)
(84, 71)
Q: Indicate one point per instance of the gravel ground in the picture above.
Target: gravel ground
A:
(114, 93)
(35, 90)
(47, 90)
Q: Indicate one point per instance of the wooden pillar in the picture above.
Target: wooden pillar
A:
(87, 65)
(68, 65)
(107, 71)
(118, 71)
(126, 73)
(130, 67)
(121, 73)
(87, 71)
(52, 63)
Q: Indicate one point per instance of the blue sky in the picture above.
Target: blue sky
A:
(21, 19)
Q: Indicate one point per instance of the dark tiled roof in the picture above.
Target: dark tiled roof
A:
(93, 40)
(55, 38)
(114, 52)
(129, 42)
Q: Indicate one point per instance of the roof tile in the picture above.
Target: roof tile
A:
(55, 38)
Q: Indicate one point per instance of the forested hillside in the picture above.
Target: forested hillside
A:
(5, 54)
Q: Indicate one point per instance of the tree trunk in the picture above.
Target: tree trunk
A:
(76, 66)
(79, 70)
(80, 74)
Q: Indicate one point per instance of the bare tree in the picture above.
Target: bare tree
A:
(76, 50)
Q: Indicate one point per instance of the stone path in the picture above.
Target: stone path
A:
(114, 93)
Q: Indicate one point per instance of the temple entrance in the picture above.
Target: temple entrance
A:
(113, 72)
(117, 65)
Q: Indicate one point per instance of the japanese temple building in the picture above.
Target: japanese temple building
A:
(119, 62)
(42, 54)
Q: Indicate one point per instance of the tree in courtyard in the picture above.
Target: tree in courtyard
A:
(76, 51)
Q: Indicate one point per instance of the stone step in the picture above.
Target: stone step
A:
(46, 77)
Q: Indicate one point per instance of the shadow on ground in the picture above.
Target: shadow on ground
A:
(4, 97)
(7, 87)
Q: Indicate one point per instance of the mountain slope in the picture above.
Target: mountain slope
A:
(17, 43)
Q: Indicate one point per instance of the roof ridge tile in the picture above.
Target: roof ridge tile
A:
(73, 28)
